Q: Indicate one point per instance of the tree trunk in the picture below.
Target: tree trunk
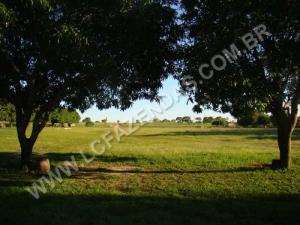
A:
(27, 143)
(22, 121)
(284, 144)
(26, 153)
(286, 123)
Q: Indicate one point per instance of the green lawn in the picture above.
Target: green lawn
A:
(160, 175)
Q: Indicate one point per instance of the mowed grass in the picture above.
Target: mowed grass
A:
(163, 174)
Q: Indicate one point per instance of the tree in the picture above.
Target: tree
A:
(220, 121)
(69, 116)
(246, 120)
(178, 119)
(208, 119)
(55, 117)
(254, 119)
(156, 120)
(87, 120)
(263, 120)
(258, 72)
(63, 115)
(7, 113)
(198, 120)
(81, 53)
(74, 117)
(186, 119)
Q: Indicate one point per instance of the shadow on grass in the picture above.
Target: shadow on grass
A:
(11, 176)
(254, 133)
(59, 157)
(19, 207)
(11, 160)
(108, 209)
(14, 182)
(137, 171)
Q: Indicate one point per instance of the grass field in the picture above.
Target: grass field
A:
(160, 175)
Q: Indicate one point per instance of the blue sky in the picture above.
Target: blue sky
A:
(173, 106)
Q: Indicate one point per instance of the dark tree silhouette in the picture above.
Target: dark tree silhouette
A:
(80, 53)
(259, 74)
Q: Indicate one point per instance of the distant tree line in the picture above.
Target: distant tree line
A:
(58, 116)
(218, 121)
(87, 121)
(255, 119)
(184, 119)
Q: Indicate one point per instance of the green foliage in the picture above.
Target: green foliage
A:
(184, 119)
(95, 52)
(55, 116)
(254, 119)
(198, 120)
(220, 121)
(263, 120)
(69, 116)
(7, 113)
(64, 116)
(249, 51)
(87, 120)
(246, 120)
(90, 124)
(208, 119)
(264, 78)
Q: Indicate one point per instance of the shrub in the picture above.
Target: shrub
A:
(220, 121)
(263, 120)
(255, 119)
(208, 119)
(89, 124)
